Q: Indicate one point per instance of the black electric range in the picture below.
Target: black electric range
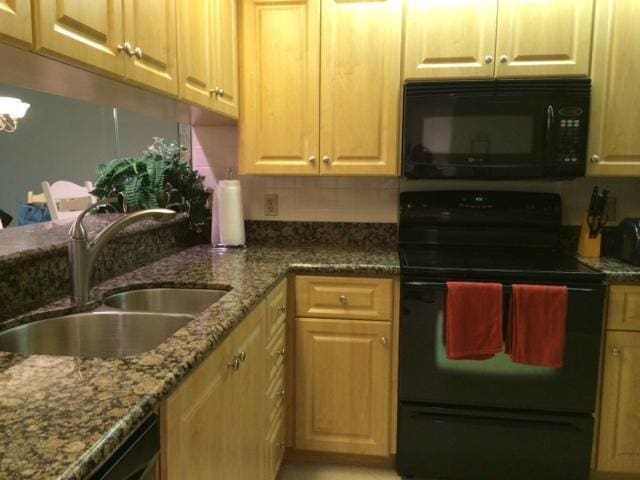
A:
(493, 419)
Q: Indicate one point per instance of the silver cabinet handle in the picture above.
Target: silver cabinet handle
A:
(504, 59)
(343, 299)
(327, 160)
(488, 59)
(281, 353)
(138, 53)
(595, 158)
(312, 159)
(221, 92)
(280, 444)
(384, 340)
(234, 364)
(281, 394)
(282, 309)
(615, 351)
(242, 356)
(126, 48)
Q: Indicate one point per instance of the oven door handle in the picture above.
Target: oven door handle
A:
(443, 285)
(493, 418)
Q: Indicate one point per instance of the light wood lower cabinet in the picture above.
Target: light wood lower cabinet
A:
(213, 422)
(343, 373)
(619, 445)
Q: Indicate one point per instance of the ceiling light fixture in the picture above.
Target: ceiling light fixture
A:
(11, 111)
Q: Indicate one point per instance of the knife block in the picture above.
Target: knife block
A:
(587, 246)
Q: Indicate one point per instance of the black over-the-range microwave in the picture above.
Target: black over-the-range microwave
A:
(496, 129)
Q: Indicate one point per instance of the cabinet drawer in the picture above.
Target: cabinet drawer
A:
(275, 398)
(275, 447)
(276, 309)
(276, 353)
(624, 308)
(344, 297)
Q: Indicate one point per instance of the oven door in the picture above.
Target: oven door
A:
(426, 376)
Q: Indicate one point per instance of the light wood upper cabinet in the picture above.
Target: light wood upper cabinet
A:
(446, 39)
(619, 445)
(544, 38)
(360, 86)
(194, 51)
(85, 31)
(196, 420)
(279, 121)
(224, 61)
(150, 28)
(343, 395)
(614, 144)
(15, 21)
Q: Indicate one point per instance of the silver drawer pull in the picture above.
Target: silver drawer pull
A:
(281, 394)
(615, 351)
(234, 364)
(281, 353)
(343, 299)
(384, 340)
(282, 309)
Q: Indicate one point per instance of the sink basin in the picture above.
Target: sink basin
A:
(105, 334)
(165, 300)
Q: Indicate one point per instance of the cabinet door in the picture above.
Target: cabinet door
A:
(150, 26)
(343, 393)
(450, 39)
(614, 144)
(544, 38)
(15, 21)
(248, 397)
(360, 87)
(88, 32)
(197, 440)
(279, 77)
(194, 51)
(224, 50)
(619, 446)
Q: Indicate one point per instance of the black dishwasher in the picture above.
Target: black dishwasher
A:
(137, 457)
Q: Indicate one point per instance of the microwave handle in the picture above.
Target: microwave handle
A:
(550, 121)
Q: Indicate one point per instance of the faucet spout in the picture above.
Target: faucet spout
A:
(83, 253)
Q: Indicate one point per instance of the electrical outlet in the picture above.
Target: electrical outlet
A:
(271, 204)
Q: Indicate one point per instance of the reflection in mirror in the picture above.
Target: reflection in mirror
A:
(48, 165)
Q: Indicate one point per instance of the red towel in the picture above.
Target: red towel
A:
(474, 320)
(537, 325)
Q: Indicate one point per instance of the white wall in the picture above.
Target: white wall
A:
(370, 199)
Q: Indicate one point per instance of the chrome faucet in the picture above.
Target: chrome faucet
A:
(83, 252)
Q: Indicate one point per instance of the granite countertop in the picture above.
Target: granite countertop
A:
(617, 271)
(46, 237)
(60, 416)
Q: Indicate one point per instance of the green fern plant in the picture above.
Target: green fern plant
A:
(159, 178)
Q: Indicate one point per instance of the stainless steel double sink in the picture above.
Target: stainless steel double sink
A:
(128, 323)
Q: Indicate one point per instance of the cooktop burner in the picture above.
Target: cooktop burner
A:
(474, 261)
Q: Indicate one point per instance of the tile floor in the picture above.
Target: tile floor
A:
(305, 471)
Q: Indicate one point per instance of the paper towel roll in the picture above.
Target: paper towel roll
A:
(230, 215)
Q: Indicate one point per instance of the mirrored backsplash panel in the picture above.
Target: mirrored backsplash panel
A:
(65, 139)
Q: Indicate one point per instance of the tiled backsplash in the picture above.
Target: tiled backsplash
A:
(370, 199)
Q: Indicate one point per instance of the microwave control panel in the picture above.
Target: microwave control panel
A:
(571, 141)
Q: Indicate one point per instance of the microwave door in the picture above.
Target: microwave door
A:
(474, 137)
